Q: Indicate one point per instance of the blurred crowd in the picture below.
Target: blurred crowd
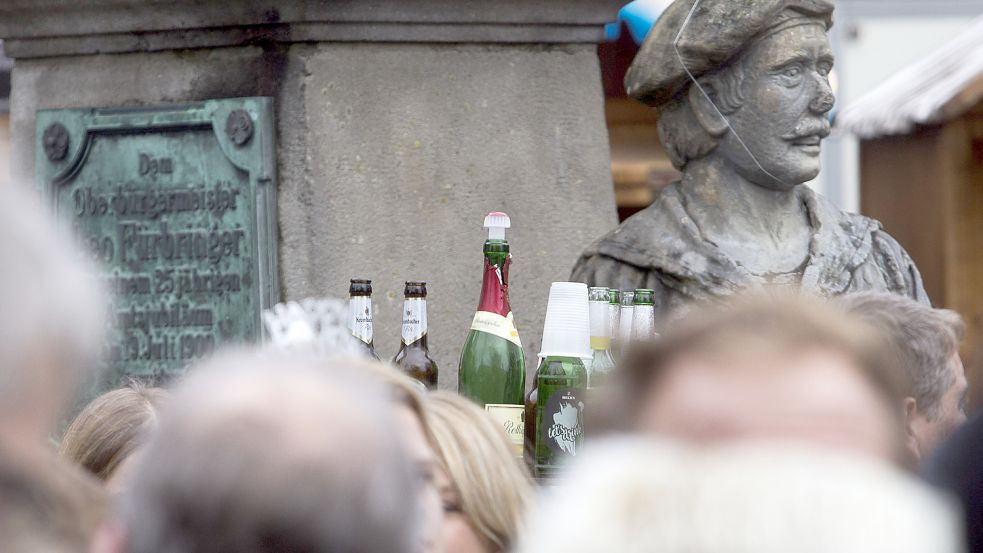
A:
(766, 424)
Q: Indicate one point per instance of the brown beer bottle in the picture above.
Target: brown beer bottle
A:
(360, 314)
(413, 357)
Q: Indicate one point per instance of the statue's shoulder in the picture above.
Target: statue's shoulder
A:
(863, 241)
(640, 236)
(862, 230)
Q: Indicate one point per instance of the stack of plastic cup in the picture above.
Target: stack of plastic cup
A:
(567, 329)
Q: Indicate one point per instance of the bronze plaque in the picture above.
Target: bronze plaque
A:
(178, 205)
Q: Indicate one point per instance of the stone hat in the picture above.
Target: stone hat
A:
(716, 32)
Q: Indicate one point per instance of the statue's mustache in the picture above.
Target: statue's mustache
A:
(810, 128)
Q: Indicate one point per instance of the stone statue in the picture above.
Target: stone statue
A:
(742, 90)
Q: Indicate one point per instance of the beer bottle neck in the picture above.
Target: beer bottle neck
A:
(415, 322)
(360, 317)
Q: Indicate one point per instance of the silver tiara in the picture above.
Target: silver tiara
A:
(318, 324)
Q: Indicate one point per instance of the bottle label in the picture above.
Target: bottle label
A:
(598, 317)
(513, 420)
(624, 324)
(563, 422)
(360, 318)
(600, 343)
(414, 320)
(495, 324)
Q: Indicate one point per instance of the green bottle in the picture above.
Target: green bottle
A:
(643, 316)
(561, 384)
(561, 379)
(492, 371)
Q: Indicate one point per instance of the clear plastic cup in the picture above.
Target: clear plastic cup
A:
(566, 332)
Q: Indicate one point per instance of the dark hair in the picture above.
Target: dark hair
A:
(47, 505)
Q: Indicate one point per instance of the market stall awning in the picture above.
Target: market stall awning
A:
(638, 16)
(938, 88)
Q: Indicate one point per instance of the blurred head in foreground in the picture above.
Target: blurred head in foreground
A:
(739, 498)
(483, 487)
(925, 344)
(51, 324)
(777, 369)
(104, 437)
(414, 427)
(274, 452)
(956, 468)
(47, 506)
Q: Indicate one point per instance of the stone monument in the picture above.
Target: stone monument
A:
(743, 94)
(398, 125)
(178, 206)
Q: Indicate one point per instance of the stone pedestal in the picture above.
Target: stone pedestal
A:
(400, 124)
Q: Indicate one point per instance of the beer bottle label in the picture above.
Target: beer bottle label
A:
(563, 422)
(360, 320)
(497, 325)
(414, 320)
(513, 421)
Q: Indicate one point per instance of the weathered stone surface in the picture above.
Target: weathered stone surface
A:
(40, 28)
(389, 157)
(405, 151)
(742, 87)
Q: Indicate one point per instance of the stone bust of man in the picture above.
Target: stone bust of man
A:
(743, 109)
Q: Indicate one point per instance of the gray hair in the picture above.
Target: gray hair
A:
(52, 302)
(646, 495)
(923, 339)
(273, 452)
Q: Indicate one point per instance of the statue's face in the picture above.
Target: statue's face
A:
(783, 118)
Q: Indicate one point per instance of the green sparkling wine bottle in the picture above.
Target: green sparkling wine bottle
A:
(492, 371)
(561, 384)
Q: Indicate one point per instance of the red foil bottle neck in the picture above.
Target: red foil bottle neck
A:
(495, 288)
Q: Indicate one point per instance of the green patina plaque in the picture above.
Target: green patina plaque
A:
(178, 205)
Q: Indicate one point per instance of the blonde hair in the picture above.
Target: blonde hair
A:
(404, 391)
(478, 458)
(110, 428)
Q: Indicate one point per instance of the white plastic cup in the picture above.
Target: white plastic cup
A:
(566, 332)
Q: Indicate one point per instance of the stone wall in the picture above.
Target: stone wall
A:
(390, 154)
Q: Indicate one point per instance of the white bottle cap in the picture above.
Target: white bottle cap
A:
(496, 222)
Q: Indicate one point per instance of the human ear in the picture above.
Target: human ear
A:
(706, 112)
(911, 436)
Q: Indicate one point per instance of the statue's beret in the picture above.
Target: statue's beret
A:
(716, 31)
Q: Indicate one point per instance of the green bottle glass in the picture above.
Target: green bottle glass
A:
(561, 384)
(643, 316)
(492, 372)
(614, 314)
